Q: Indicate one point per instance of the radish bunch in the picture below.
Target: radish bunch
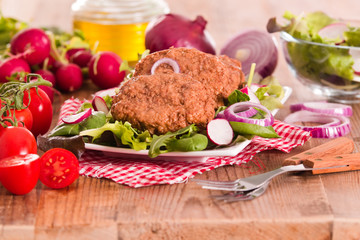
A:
(62, 60)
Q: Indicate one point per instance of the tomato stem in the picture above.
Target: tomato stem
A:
(12, 94)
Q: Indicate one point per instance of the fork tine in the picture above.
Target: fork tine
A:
(228, 195)
(209, 182)
(234, 187)
(244, 196)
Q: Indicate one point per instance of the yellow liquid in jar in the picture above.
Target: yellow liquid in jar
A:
(126, 40)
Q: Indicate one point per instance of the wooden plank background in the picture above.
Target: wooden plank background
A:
(300, 206)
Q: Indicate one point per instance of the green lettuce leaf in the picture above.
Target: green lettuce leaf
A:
(124, 133)
(185, 139)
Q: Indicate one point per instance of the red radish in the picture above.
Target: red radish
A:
(334, 31)
(81, 58)
(251, 94)
(104, 70)
(69, 78)
(10, 66)
(72, 51)
(49, 76)
(51, 64)
(76, 118)
(220, 131)
(32, 43)
(99, 104)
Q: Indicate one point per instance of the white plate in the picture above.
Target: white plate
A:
(182, 156)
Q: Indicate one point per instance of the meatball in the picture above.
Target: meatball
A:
(222, 74)
(164, 102)
(167, 101)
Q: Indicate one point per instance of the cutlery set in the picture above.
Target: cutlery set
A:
(333, 156)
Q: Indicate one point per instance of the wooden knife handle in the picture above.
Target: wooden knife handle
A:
(341, 145)
(349, 161)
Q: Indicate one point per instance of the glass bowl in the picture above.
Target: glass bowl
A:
(328, 70)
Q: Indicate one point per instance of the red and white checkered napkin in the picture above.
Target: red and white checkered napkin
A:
(143, 172)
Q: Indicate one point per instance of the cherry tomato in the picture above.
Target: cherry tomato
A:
(19, 174)
(41, 109)
(16, 141)
(23, 116)
(59, 168)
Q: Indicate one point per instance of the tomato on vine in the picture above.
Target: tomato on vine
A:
(19, 174)
(16, 141)
(40, 106)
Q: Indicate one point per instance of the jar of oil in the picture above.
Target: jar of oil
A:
(116, 25)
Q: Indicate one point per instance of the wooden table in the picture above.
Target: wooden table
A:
(294, 207)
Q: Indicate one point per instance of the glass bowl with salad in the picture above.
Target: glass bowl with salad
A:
(323, 53)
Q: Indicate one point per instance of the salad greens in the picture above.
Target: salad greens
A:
(328, 59)
(101, 128)
(183, 140)
(271, 93)
(8, 28)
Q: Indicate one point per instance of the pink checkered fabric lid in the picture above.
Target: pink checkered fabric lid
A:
(145, 172)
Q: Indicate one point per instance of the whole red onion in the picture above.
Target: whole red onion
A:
(172, 30)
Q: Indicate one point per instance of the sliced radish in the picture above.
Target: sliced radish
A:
(220, 131)
(251, 94)
(334, 31)
(76, 118)
(355, 53)
(99, 104)
(110, 91)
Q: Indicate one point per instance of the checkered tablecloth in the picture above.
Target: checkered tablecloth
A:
(146, 172)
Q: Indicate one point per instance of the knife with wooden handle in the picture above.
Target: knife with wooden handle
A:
(346, 162)
(341, 145)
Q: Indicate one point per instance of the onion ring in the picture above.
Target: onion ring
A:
(169, 61)
(324, 108)
(332, 125)
(231, 114)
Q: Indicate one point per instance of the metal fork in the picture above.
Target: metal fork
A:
(242, 196)
(253, 182)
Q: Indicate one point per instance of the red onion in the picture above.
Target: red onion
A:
(246, 113)
(253, 46)
(324, 108)
(168, 61)
(232, 116)
(76, 118)
(172, 30)
(331, 127)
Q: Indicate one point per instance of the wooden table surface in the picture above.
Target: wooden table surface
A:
(294, 207)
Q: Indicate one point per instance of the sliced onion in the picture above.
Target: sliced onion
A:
(169, 61)
(253, 46)
(231, 114)
(331, 126)
(324, 108)
(76, 118)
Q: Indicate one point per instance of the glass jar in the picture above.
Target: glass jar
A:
(116, 25)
